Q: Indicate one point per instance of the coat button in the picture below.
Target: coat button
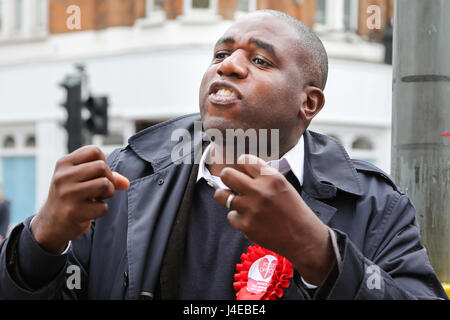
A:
(160, 181)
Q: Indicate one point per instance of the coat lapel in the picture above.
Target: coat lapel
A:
(327, 170)
(152, 205)
(154, 200)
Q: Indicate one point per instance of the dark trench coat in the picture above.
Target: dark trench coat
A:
(122, 256)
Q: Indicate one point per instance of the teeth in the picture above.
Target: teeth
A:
(225, 92)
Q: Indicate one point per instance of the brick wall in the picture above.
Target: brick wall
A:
(101, 14)
(58, 15)
(227, 8)
(304, 10)
(387, 12)
(173, 8)
(95, 14)
(308, 12)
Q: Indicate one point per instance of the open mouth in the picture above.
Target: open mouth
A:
(222, 94)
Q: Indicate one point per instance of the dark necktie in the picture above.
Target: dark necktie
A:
(290, 176)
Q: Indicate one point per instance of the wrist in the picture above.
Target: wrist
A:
(48, 242)
(315, 260)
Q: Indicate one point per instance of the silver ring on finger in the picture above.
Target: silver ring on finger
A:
(229, 200)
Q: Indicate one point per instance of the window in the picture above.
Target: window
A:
(321, 12)
(18, 15)
(200, 11)
(243, 5)
(351, 15)
(200, 4)
(1, 16)
(362, 143)
(154, 7)
(39, 14)
(335, 137)
(9, 142)
(30, 142)
(337, 15)
(23, 19)
(154, 14)
(363, 148)
(246, 6)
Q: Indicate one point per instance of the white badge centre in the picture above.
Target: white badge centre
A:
(260, 274)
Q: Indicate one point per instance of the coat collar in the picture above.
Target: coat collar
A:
(157, 144)
(328, 168)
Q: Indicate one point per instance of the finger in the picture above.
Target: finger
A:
(99, 189)
(236, 180)
(120, 182)
(236, 220)
(254, 166)
(91, 170)
(90, 210)
(221, 196)
(86, 154)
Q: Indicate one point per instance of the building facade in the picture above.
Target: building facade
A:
(149, 56)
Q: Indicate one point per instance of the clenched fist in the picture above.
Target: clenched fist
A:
(80, 183)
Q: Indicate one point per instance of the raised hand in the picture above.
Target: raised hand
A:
(270, 212)
(80, 183)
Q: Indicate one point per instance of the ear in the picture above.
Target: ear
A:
(312, 102)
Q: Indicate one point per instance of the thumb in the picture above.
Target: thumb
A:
(254, 166)
(120, 182)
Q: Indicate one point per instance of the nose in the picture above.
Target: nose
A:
(234, 66)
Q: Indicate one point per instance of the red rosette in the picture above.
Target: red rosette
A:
(263, 262)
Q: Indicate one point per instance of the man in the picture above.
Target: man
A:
(347, 229)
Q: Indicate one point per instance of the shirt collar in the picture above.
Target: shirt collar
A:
(291, 160)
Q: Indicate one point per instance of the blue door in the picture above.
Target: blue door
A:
(19, 186)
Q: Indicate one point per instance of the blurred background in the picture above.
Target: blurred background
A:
(147, 57)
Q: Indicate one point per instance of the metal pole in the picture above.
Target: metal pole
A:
(421, 115)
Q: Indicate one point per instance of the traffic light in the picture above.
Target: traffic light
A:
(98, 120)
(73, 105)
(79, 125)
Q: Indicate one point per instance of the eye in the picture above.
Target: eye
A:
(220, 55)
(261, 62)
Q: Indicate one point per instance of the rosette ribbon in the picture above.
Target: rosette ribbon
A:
(261, 275)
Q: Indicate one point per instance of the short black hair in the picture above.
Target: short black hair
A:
(316, 65)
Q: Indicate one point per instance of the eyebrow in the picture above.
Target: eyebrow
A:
(229, 40)
(265, 46)
(258, 42)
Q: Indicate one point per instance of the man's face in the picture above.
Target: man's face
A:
(254, 80)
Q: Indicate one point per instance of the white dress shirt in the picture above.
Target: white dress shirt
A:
(292, 160)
